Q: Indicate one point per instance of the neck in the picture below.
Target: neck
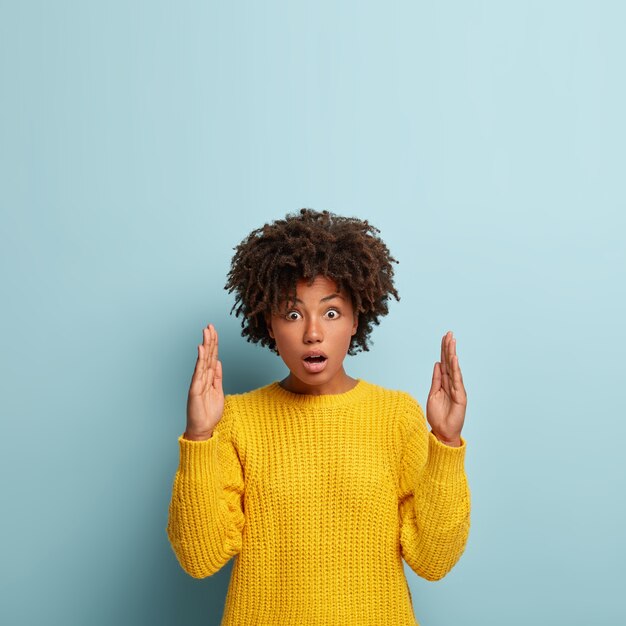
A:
(339, 384)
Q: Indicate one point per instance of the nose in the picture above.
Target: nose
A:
(312, 331)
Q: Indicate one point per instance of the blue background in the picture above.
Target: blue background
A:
(140, 142)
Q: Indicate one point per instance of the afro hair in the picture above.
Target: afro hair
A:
(269, 262)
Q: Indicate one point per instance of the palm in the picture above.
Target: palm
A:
(447, 399)
(205, 402)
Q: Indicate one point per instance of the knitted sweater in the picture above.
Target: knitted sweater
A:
(320, 498)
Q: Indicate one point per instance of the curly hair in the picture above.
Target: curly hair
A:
(268, 263)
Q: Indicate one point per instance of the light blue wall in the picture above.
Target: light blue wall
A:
(140, 142)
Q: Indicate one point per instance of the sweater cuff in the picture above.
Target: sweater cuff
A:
(197, 457)
(445, 462)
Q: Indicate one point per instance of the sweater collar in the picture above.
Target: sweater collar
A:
(325, 400)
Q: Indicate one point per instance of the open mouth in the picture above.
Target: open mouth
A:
(313, 364)
(315, 359)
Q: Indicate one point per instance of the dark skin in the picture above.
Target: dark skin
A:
(447, 399)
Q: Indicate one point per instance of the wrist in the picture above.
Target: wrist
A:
(197, 436)
(455, 442)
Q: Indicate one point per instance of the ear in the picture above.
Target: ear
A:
(355, 326)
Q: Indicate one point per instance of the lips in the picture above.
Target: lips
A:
(314, 361)
(314, 353)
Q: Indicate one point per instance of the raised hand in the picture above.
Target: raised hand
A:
(205, 402)
(447, 400)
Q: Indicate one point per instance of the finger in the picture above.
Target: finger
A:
(435, 385)
(202, 351)
(214, 350)
(457, 378)
(217, 380)
(200, 365)
(207, 375)
(199, 373)
(442, 358)
(208, 343)
(216, 339)
(460, 395)
(454, 368)
(212, 358)
(445, 370)
(457, 372)
(443, 348)
(436, 381)
(451, 349)
(451, 353)
(212, 354)
(206, 348)
(454, 359)
(450, 358)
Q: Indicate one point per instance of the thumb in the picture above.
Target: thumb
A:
(436, 381)
(217, 379)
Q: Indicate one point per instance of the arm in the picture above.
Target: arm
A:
(206, 518)
(434, 499)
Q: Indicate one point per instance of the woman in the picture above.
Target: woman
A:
(320, 483)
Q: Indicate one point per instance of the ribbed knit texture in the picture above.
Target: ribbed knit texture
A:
(320, 498)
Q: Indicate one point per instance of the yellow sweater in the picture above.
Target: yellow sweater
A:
(320, 498)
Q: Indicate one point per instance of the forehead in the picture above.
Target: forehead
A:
(321, 288)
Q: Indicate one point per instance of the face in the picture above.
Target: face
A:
(323, 320)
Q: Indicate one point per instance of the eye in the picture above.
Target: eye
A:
(336, 313)
(290, 313)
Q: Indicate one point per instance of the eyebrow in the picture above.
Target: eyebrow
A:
(332, 295)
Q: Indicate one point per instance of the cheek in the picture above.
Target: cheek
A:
(344, 336)
(282, 338)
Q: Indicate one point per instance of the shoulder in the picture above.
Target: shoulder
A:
(253, 403)
(402, 400)
(384, 393)
(235, 404)
(409, 425)
(247, 398)
(410, 419)
(401, 407)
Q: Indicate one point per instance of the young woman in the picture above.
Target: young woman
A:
(320, 483)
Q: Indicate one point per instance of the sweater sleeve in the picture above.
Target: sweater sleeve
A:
(206, 517)
(434, 498)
